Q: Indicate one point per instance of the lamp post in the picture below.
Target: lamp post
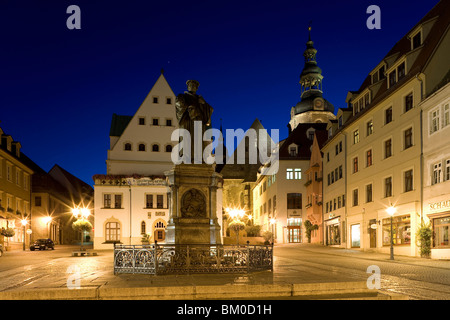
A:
(24, 223)
(391, 211)
(81, 214)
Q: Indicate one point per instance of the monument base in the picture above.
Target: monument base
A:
(193, 205)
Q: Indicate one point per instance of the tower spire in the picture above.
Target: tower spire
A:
(311, 76)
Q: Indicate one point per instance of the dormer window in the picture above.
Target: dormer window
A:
(397, 73)
(416, 40)
(378, 74)
(401, 71)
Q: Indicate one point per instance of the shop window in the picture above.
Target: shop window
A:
(356, 235)
(401, 230)
(441, 227)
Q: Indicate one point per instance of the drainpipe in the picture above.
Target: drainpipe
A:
(421, 148)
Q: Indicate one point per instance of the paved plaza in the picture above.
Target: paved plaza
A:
(295, 265)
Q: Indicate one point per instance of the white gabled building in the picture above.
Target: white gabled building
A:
(131, 198)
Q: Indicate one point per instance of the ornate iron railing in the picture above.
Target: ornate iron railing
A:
(192, 258)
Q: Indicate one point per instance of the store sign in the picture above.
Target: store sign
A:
(440, 205)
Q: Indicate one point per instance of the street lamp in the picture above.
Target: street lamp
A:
(391, 211)
(24, 223)
(81, 214)
(236, 215)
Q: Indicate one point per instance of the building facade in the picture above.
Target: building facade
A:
(131, 199)
(15, 192)
(383, 149)
(436, 169)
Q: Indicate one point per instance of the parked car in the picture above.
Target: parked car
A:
(1, 250)
(42, 244)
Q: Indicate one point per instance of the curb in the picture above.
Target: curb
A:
(315, 290)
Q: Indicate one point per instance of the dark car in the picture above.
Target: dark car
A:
(42, 244)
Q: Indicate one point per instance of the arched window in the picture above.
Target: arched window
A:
(143, 228)
(155, 148)
(168, 148)
(141, 147)
(127, 146)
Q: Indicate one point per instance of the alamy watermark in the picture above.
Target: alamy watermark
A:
(374, 280)
(254, 145)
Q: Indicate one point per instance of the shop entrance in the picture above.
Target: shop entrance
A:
(294, 234)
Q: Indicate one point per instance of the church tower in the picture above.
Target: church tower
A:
(312, 108)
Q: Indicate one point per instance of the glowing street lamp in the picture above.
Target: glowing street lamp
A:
(24, 223)
(81, 214)
(236, 214)
(391, 211)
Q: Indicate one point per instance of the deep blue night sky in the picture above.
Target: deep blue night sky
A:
(60, 87)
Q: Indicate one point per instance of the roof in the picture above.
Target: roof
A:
(300, 137)
(441, 14)
(118, 124)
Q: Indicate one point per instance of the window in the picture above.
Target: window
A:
(155, 121)
(446, 118)
(337, 149)
(401, 70)
(356, 235)
(369, 193)
(369, 159)
(169, 101)
(417, 40)
(159, 201)
(294, 200)
(388, 187)
(127, 147)
(106, 201)
(408, 138)
(434, 121)
(387, 148)
(408, 102)
(381, 73)
(168, 122)
(8, 172)
(37, 201)
(388, 115)
(117, 201)
(168, 148)
(340, 172)
(369, 127)
(292, 151)
(149, 201)
(355, 197)
(340, 146)
(155, 99)
(408, 178)
(141, 121)
(143, 228)
(437, 173)
(155, 148)
(141, 147)
(297, 174)
(289, 174)
(355, 136)
(401, 227)
(160, 233)
(112, 231)
(340, 122)
(392, 78)
(274, 203)
(447, 169)
(441, 228)
(355, 164)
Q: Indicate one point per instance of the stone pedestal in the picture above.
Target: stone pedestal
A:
(192, 205)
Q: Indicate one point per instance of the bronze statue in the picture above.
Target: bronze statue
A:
(192, 107)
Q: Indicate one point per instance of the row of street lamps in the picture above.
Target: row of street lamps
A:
(78, 213)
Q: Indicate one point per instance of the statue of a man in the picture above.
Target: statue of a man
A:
(192, 107)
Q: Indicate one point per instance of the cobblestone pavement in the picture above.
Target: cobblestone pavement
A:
(293, 263)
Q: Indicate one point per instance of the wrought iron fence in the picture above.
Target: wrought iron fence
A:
(192, 258)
